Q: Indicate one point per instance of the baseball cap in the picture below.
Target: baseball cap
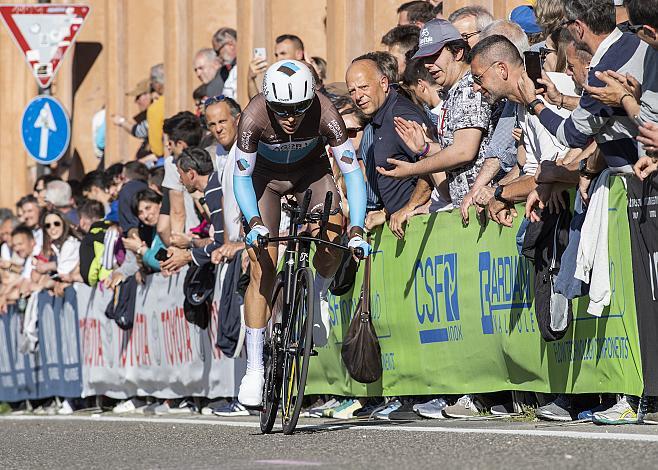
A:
(619, 3)
(434, 35)
(525, 17)
(142, 87)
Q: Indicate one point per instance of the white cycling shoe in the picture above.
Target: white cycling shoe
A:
(251, 389)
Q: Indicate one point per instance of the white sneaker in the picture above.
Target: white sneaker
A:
(210, 407)
(184, 407)
(251, 389)
(66, 408)
(125, 406)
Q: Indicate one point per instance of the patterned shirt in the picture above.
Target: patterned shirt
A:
(463, 109)
(374, 202)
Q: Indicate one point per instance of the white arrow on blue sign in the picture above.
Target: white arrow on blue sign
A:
(46, 129)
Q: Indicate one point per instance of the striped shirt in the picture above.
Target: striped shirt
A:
(612, 129)
(374, 202)
(213, 197)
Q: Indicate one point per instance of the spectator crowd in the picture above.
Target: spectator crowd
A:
(465, 113)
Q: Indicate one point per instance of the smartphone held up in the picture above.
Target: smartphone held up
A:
(533, 67)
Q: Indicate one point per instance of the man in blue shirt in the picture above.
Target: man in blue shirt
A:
(371, 92)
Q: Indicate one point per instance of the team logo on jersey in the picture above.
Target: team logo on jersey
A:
(335, 128)
(243, 164)
(347, 157)
(245, 138)
(289, 68)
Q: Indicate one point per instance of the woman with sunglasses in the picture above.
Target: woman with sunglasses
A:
(281, 151)
(60, 256)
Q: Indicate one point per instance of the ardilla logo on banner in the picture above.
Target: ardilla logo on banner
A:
(506, 288)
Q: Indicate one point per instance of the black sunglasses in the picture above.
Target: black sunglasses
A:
(290, 109)
(56, 223)
(353, 131)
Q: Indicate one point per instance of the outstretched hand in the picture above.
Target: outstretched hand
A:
(616, 86)
(401, 169)
(411, 133)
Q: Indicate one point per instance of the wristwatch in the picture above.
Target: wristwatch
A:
(498, 195)
(531, 106)
(584, 172)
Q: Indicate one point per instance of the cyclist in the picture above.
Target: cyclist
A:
(281, 150)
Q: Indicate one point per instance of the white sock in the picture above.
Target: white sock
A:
(255, 339)
(320, 319)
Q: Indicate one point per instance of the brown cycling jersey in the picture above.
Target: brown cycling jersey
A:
(260, 132)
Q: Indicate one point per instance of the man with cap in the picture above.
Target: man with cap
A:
(524, 16)
(138, 126)
(465, 116)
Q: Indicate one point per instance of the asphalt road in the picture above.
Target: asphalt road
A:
(108, 442)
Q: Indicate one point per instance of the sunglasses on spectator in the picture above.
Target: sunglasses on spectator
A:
(478, 78)
(353, 131)
(467, 36)
(56, 223)
(213, 100)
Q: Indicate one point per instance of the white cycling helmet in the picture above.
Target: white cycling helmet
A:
(289, 87)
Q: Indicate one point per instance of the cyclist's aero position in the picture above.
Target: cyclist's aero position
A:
(281, 150)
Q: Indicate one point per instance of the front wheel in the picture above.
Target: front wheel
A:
(298, 342)
(273, 358)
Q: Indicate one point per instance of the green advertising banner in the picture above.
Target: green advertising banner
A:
(453, 309)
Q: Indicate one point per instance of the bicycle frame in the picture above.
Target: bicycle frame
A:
(296, 261)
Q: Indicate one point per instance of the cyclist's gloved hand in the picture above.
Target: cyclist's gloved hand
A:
(358, 242)
(254, 233)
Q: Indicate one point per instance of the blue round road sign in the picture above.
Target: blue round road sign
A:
(46, 129)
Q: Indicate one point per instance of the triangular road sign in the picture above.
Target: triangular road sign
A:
(44, 33)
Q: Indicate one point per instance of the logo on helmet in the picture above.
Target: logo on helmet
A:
(289, 68)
